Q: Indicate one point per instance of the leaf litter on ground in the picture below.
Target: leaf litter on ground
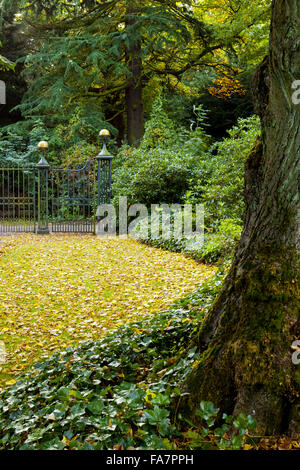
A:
(59, 290)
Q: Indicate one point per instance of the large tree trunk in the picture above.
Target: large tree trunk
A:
(246, 362)
(134, 91)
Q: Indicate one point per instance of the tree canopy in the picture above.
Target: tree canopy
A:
(105, 61)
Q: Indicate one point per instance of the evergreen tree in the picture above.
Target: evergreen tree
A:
(99, 57)
(14, 45)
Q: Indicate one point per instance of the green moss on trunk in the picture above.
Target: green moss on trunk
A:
(250, 353)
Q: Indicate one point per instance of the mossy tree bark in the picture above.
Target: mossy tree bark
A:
(246, 361)
(134, 90)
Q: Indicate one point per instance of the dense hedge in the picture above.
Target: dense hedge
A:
(166, 163)
(218, 184)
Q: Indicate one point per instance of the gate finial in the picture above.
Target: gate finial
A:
(43, 163)
(104, 159)
(104, 136)
(43, 147)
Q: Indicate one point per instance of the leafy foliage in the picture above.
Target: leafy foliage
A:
(5, 64)
(221, 184)
(218, 247)
(161, 169)
(231, 435)
(85, 59)
(108, 394)
(77, 53)
(17, 149)
(218, 184)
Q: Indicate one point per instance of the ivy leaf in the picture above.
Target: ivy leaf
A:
(96, 407)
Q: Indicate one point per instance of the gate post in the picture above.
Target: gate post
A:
(43, 175)
(104, 170)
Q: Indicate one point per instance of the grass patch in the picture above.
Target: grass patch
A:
(59, 290)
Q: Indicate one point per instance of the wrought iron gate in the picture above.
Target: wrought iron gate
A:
(18, 200)
(72, 199)
(44, 200)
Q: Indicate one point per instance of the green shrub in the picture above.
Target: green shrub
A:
(78, 155)
(231, 435)
(220, 187)
(18, 147)
(162, 168)
(218, 184)
(72, 143)
(219, 245)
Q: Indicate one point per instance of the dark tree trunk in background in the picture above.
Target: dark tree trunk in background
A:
(134, 92)
(15, 45)
(246, 362)
(119, 123)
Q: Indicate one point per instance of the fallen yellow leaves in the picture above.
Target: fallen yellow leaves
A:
(273, 443)
(59, 290)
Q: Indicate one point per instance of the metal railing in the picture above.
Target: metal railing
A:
(18, 202)
(42, 200)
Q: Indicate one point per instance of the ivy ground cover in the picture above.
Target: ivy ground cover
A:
(59, 290)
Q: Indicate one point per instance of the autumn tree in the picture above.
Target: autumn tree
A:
(246, 362)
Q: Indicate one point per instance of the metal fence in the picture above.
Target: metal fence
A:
(18, 199)
(72, 199)
(43, 200)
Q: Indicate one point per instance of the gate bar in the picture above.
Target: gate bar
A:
(43, 169)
